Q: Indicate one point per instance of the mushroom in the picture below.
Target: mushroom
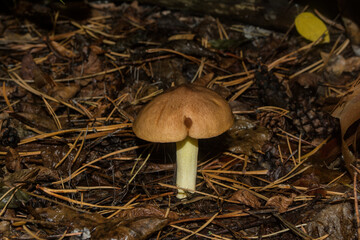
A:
(183, 115)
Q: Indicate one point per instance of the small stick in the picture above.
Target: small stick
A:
(202, 227)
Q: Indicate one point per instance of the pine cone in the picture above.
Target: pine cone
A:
(308, 118)
(272, 121)
(304, 106)
(313, 122)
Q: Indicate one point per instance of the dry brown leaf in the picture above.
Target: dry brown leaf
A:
(348, 113)
(226, 63)
(335, 220)
(246, 197)
(158, 167)
(335, 64)
(307, 80)
(352, 64)
(204, 80)
(64, 93)
(97, 49)
(46, 174)
(136, 229)
(52, 154)
(10, 37)
(68, 217)
(247, 137)
(30, 71)
(280, 202)
(101, 109)
(41, 122)
(13, 161)
(91, 66)
(99, 227)
(14, 92)
(12, 179)
(147, 211)
(353, 30)
(312, 182)
(347, 110)
(62, 50)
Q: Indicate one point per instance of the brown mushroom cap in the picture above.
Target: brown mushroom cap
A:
(186, 110)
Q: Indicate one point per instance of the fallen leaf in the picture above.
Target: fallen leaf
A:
(19, 198)
(46, 174)
(70, 218)
(204, 80)
(311, 27)
(62, 92)
(65, 93)
(136, 229)
(312, 182)
(24, 175)
(10, 37)
(246, 197)
(352, 29)
(98, 227)
(348, 113)
(336, 64)
(11, 180)
(63, 51)
(13, 161)
(90, 66)
(280, 202)
(52, 154)
(352, 64)
(30, 71)
(41, 122)
(335, 220)
(246, 137)
(97, 49)
(307, 80)
(147, 211)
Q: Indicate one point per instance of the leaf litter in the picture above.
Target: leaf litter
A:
(71, 167)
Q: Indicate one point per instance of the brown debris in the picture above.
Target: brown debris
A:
(281, 203)
(147, 211)
(63, 51)
(247, 198)
(336, 221)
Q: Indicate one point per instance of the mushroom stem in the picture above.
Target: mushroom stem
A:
(186, 165)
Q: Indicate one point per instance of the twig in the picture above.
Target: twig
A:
(202, 227)
(6, 98)
(16, 78)
(199, 234)
(293, 228)
(32, 234)
(256, 172)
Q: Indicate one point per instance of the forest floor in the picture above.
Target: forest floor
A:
(72, 168)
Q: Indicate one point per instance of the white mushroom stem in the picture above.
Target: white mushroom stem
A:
(186, 165)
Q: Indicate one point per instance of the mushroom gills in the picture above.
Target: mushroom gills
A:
(186, 165)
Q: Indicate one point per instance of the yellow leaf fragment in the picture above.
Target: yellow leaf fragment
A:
(311, 27)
